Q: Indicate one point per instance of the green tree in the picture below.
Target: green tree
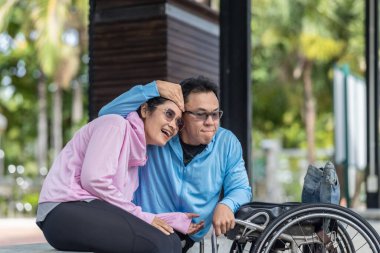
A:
(47, 23)
(43, 51)
(295, 44)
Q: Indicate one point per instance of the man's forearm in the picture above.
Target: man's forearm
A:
(237, 197)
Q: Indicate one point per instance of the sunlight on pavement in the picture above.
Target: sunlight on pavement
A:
(19, 231)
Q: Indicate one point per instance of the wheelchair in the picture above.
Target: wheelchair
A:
(301, 228)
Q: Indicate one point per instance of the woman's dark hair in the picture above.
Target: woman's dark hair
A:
(198, 84)
(152, 104)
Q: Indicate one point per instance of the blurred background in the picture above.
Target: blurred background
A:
(301, 51)
(43, 63)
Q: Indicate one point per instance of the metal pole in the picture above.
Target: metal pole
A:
(235, 71)
(372, 49)
(346, 165)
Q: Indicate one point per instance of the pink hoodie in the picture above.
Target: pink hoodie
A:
(101, 161)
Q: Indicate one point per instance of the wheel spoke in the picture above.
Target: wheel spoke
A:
(342, 231)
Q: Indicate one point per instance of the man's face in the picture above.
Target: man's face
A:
(200, 130)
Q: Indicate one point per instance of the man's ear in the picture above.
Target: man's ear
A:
(144, 110)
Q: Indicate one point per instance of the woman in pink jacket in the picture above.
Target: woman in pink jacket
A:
(85, 202)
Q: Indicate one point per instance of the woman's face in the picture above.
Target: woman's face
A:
(162, 123)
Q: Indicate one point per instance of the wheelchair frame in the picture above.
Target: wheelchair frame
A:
(311, 228)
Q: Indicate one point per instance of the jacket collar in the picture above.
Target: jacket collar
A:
(137, 156)
(175, 145)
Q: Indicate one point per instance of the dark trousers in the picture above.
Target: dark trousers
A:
(98, 226)
(186, 241)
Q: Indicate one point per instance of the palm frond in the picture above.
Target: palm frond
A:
(6, 7)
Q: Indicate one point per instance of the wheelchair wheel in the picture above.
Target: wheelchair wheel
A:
(343, 243)
(336, 230)
(237, 247)
(343, 238)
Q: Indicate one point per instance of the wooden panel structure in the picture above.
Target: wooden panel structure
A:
(191, 52)
(137, 41)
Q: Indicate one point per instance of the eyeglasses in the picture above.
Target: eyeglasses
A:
(216, 115)
(170, 116)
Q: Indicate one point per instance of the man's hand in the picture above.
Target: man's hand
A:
(194, 227)
(162, 225)
(223, 219)
(171, 91)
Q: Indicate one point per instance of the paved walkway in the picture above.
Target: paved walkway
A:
(23, 236)
(19, 231)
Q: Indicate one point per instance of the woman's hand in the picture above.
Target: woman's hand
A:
(171, 91)
(194, 227)
(162, 225)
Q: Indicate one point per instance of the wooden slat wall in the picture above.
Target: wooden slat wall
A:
(110, 4)
(191, 52)
(125, 52)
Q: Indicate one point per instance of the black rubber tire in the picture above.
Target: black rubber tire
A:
(327, 211)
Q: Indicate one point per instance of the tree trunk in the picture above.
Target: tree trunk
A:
(77, 104)
(57, 121)
(309, 110)
(42, 137)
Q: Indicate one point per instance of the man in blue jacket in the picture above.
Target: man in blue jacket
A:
(188, 174)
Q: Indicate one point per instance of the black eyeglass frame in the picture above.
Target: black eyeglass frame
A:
(178, 121)
(204, 115)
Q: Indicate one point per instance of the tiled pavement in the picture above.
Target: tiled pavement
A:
(23, 236)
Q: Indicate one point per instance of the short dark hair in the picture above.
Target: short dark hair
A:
(198, 84)
(152, 104)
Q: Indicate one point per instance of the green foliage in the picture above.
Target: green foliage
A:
(284, 31)
(33, 47)
(17, 102)
(31, 198)
(286, 34)
(292, 187)
(315, 47)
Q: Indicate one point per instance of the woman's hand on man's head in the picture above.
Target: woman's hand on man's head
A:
(171, 91)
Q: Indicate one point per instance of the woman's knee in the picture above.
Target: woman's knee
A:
(172, 244)
(176, 242)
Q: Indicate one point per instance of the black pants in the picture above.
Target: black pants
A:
(186, 242)
(98, 226)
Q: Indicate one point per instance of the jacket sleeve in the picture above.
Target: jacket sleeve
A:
(236, 185)
(130, 100)
(100, 164)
